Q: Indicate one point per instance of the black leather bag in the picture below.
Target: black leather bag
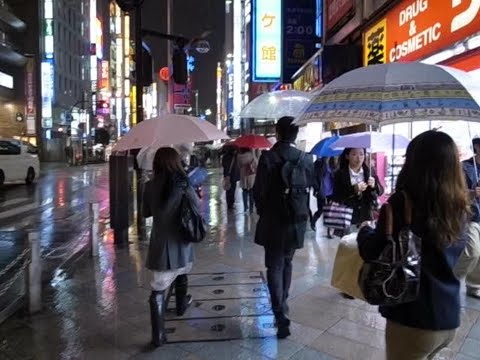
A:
(394, 278)
(191, 223)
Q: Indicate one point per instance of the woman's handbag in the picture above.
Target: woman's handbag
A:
(347, 266)
(394, 278)
(337, 216)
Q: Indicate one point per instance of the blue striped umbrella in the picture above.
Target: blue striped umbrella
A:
(395, 93)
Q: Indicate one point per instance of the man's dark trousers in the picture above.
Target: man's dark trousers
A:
(230, 194)
(279, 278)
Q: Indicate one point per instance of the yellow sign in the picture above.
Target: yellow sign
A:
(375, 44)
(133, 105)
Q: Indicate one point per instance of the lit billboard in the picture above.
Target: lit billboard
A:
(267, 40)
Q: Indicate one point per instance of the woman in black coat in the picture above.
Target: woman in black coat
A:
(355, 187)
(169, 256)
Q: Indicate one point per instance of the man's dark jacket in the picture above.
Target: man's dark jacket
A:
(272, 231)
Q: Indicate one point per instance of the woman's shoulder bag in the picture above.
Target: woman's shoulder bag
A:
(394, 277)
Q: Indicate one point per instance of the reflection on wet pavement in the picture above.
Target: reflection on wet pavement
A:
(97, 308)
(56, 207)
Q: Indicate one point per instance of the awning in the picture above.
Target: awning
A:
(467, 61)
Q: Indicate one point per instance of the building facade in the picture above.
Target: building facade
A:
(13, 114)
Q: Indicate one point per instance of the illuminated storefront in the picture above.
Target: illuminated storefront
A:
(434, 32)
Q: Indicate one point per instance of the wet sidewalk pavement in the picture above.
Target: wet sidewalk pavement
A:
(98, 308)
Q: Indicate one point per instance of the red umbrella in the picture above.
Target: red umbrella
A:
(252, 142)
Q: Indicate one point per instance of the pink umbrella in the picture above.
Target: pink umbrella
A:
(167, 130)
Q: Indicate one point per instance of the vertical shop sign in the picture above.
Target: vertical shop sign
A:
(298, 35)
(105, 75)
(376, 44)
(230, 80)
(30, 104)
(267, 40)
(47, 93)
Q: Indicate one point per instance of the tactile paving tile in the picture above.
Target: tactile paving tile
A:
(211, 292)
(212, 329)
(225, 306)
(234, 278)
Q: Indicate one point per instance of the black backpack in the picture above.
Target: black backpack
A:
(191, 223)
(295, 190)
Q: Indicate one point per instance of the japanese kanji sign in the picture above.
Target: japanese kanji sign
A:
(267, 40)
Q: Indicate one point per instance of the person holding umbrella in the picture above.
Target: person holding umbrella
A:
(247, 163)
(356, 186)
(169, 256)
(324, 169)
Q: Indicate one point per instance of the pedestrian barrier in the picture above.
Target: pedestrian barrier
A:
(20, 281)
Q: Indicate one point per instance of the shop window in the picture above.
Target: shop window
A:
(9, 148)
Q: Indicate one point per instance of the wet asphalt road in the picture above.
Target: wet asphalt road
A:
(56, 207)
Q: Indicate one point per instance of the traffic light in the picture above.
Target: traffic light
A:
(179, 63)
(127, 5)
(147, 64)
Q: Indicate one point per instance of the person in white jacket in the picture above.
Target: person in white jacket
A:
(247, 163)
(468, 265)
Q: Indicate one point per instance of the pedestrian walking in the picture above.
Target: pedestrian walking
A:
(231, 175)
(356, 186)
(282, 192)
(432, 181)
(323, 181)
(247, 164)
(468, 265)
(169, 257)
(471, 168)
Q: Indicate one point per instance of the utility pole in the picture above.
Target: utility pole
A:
(169, 57)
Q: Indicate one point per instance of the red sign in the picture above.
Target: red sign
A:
(182, 94)
(336, 10)
(164, 73)
(104, 75)
(414, 30)
(257, 89)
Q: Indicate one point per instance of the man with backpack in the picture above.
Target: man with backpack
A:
(281, 193)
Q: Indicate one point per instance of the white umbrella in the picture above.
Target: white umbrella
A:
(373, 141)
(275, 104)
(396, 93)
(147, 154)
(167, 130)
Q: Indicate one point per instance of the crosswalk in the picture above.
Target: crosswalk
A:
(14, 207)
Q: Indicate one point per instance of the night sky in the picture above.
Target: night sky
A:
(190, 18)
